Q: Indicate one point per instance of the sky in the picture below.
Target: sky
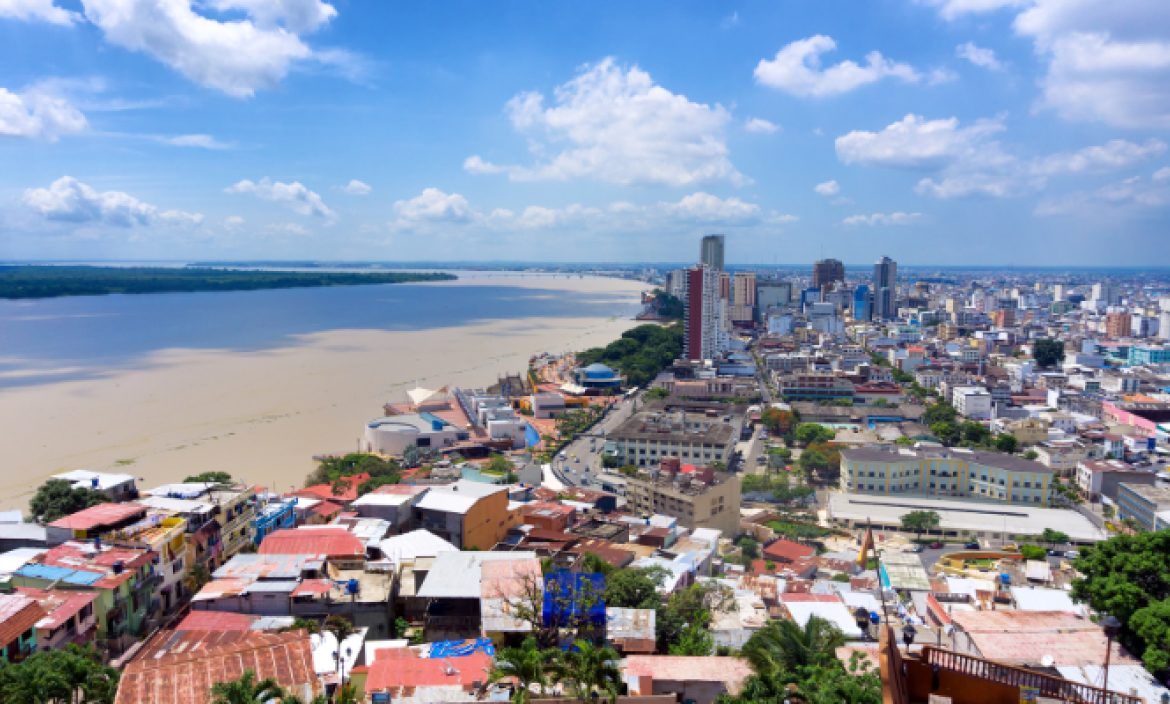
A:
(936, 132)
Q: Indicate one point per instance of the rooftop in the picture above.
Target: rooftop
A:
(98, 516)
(402, 667)
(278, 566)
(416, 543)
(18, 613)
(999, 460)
(459, 575)
(84, 479)
(731, 671)
(330, 541)
(58, 604)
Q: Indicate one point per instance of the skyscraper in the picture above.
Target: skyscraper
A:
(1106, 293)
(861, 303)
(701, 320)
(885, 289)
(744, 288)
(712, 252)
(827, 272)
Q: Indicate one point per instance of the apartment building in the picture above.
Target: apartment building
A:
(814, 386)
(974, 475)
(698, 436)
(467, 514)
(1142, 503)
(1028, 431)
(1103, 478)
(972, 402)
(1061, 457)
(697, 499)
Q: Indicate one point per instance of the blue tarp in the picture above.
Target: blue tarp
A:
(461, 648)
(53, 574)
(567, 593)
(531, 437)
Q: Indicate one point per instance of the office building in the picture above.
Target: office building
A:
(1143, 503)
(828, 272)
(712, 252)
(744, 289)
(1106, 293)
(696, 499)
(702, 313)
(1059, 291)
(862, 302)
(771, 293)
(974, 475)
(687, 434)
(724, 286)
(885, 289)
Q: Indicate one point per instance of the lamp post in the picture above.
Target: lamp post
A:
(1111, 626)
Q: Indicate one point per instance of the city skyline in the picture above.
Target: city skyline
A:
(941, 133)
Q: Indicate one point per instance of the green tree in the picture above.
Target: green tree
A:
(1052, 537)
(902, 377)
(1031, 455)
(919, 522)
(750, 548)
(499, 464)
(904, 441)
(975, 433)
(635, 588)
(246, 690)
(948, 433)
(591, 563)
(830, 683)
(1033, 552)
(939, 413)
(57, 498)
(691, 606)
(610, 462)
(340, 486)
(1128, 576)
(586, 668)
(695, 641)
(71, 675)
(880, 403)
(1048, 352)
(525, 665)
(1005, 442)
(197, 577)
(209, 478)
(299, 623)
(657, 393)
(1108, 511)
(786, 645)
(372, 483)
(810, 433)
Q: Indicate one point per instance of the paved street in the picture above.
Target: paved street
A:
(582, 469)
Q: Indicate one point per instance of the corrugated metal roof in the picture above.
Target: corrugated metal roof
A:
(1031, 599)
(731, 671)
(331, 541)
(52, 573)
(458, 575)
(100, 515)
(281, 587)
(1122, 678)
(630, 623)
(416, 543)
(268, 566)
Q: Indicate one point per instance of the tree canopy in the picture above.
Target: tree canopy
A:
(57, 498)
(1048, 352)
(1128, 576)
(330, 469)
(1007, 443)
(810, 433)
(640, 353)
(919, 522)
(209, 478)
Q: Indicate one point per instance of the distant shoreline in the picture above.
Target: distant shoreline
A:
(37, 282)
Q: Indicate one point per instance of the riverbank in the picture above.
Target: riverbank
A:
(260, 414)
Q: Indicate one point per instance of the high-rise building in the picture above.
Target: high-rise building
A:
(1164, 325)
(744, 289)
(701, 318)
(1106, 293)
(724, 286)
(1059, 291)
(712, 252)
(861, 303)
(827, 272)
(771, 293)
(1118, 324)
(885, 289)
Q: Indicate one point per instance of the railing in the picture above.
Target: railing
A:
(1048, 686)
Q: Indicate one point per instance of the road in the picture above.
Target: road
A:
(581, 470)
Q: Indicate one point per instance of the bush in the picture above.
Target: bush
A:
(1033, 552)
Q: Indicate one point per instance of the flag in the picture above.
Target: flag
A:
(866, 548)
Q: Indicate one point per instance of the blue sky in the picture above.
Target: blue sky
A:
(964, 132)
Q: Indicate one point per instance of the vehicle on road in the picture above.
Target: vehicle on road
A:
(1071, 554)
(936, 546)
(576, 459)
(973, 545)
(915, 548)
(760, 459)
(564, 455)
(1056, 553)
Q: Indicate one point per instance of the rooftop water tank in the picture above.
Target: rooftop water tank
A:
(351, 587)
(436, 425)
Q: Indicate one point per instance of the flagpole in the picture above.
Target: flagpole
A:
(881, 587)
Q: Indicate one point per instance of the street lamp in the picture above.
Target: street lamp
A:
(1111, 626)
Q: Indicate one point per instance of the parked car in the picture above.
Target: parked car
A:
(576, 459)
(1056, 553)
(915, 548)
(936, 546)
(973, 545)
(1071, 554)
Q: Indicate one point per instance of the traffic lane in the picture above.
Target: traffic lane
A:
(588, 447)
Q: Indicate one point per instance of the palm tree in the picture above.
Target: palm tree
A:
(290, 698)
(339, 627)
(785, 645)
(247, 690)
(526, 665)
(307, 624)
(197, 577)
(586, 668)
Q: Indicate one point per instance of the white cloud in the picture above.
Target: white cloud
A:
(1111, 156)
(202, 141)
(828, 188)
(978, 56)
(841, 201)
(729, 22)
(69, 200)
(797, 70)
(43, 10)
(354, 188)
(233, 222)
(915, 143)
(287, 228)
(237, 57)
(1162, 174)
(621, 128)
(941, 75)
(433, 206)
(38, 115)
(757, 124)
(882, 219)
(1131, 194)
(293, 195)
(706, 207)
(952, 9)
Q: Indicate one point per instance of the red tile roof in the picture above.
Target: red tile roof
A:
(334, 542)
(401, 667)
(787, 551)
(325, 491)
(60, 605)
(216, 621)
(821, 598)
(17, 615)
(97, 516)
(181, 668)
(689, 669)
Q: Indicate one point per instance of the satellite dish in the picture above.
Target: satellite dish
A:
(1047, 661)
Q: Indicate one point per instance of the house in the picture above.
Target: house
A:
(347, 492)
(692, 679)
(786, 551)
(467, 514)
(453, 589)
(412, 556)
(393, 503)
(69, 616)
(548, 515)
(116, 487)
(1102, 478)
(1022, 638)
(403, 675)
(19, 615)
(182, 666)
(335, 543)
(93, 521)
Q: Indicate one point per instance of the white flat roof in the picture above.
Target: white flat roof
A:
(964, 515)
(176, 505)
(383, 499)
(458, 575)
(835, 613)
(416, 543)
(82, 477)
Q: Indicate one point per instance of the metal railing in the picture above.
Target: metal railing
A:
(1048, 685)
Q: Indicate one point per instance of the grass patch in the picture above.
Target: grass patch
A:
(799, 531)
